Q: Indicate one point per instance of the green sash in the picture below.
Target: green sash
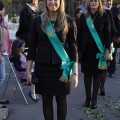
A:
(102, 64)
(66, 64)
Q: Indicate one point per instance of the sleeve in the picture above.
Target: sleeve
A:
(33, 42)
(118, 23)
(112, 25)
(72, 44)
(17, 65)
(107, 31)
(80, 33)
(24, 21)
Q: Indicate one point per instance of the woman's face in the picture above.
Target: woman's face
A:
(53, 5)
(104, 2)
(94, 4)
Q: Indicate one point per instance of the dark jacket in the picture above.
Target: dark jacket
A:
(87, 45)
(17, 64)
(42, 51)
(77, 19)
(26, 17)
(115, 13)
(112, 26)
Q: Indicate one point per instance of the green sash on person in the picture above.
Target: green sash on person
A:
(66, 64)
(102, 64)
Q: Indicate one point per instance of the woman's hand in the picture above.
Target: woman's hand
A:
(29, 76)
(75, 81)
(111, 46)
(106, 56)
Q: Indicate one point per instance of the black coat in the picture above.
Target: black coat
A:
(115, 13)
(86, 44)
(113, 27)
(26, 17)
(42, 51)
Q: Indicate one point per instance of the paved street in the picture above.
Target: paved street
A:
(108, 106)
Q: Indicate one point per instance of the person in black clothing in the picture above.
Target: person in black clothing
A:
(48, 63)
(113, 33)
(89, 49)
(27, 14)
(115, 12)
(78, 12)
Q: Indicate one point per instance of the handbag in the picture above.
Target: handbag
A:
(34, 79)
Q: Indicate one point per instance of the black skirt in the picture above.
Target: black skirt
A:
(49, 83)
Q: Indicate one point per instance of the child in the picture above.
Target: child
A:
(19, 62)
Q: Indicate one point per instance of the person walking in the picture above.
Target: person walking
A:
(53, 48)
(113, 34)
(115, 12)
(94, 46)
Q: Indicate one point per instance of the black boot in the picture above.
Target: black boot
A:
(87, 83)
(96, 85)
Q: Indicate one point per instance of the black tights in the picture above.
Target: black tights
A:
(48, 107)
(102, 81)
(88, 84)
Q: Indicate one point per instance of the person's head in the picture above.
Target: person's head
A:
(78, 12)
(55, 7)
(32, 2)
(104, 2)
(109, 3)
(18, 47)
(95, 5)
(84, 2)
(2, 11)
(40, 7)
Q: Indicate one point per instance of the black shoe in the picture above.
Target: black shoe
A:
(87, 103)
(35, 100)
(119, 61)
(2, 106)
(111, 75)
(102, 93)
(93, 106)
(4, 101)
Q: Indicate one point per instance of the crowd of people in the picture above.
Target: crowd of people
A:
(56, 44)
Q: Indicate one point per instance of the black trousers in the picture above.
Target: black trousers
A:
(88, 79)
(112, 67)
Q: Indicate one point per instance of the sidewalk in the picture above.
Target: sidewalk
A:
(3, 113)
(108, 106)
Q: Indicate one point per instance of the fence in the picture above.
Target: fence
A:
(13, 8)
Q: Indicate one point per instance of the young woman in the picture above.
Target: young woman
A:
(53, 48)
(19, 60)
(94, 45)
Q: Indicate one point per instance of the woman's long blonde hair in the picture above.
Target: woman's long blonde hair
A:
(100, 8)
(62, 20)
